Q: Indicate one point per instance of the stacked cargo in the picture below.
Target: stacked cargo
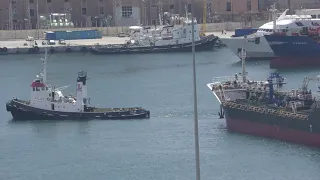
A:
(73, 35)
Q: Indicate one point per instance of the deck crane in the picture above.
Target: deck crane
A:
(306, 81)
(206, 10)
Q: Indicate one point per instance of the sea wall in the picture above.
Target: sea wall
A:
(112, 31)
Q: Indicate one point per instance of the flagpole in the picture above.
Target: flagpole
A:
(195, 99)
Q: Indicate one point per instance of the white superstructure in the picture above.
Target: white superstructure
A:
(256, 45)
(47, 97)
(166, 35)
(231, 88)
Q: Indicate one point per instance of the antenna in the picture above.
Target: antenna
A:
(160, 13)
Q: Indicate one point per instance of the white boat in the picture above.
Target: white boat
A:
(256, 45)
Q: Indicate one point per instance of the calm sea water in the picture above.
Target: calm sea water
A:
(159, 148)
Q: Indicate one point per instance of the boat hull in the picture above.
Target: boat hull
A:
(21, 111)
(271, 126)
(205, 44)
(256, 47)
(293, 51)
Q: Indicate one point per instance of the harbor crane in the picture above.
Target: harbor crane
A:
(306, 81)
(206, 15)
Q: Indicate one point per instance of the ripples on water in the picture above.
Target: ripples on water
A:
(159, 148)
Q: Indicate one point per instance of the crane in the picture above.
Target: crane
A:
(10, 23)
(28, 17)
(206, 14)
(306, 81)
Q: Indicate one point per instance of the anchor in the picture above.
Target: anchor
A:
(221, 113)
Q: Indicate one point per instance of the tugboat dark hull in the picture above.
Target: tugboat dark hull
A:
(205, 44)
(20, 110)
(285, 127)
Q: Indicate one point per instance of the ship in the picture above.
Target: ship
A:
(302, 50)
(272, 112)
(49, 103)
(256, 45)
(166, 39)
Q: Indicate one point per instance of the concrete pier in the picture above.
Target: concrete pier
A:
(27, 47)
(21, 46)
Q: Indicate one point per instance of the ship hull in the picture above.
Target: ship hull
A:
(22, 111)
(256, 47)
(205, 44)
(293, 51)
(272, 126)
(272, 131)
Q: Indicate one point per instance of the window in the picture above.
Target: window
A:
(126, 11)
(189, 8)
(34, 89)
(101, 10)
(172, 6)
(313, 16)
(84, 11)
(48, 1)
(31, 12)
(31, 1)
(249, 5)
(100, 0)
(299, 24)
(66, 0)
(228, 6)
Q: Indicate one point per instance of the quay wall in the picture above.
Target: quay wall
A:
(113, 31)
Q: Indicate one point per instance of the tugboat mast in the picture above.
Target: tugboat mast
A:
(44, 71)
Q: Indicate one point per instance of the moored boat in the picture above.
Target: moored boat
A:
(49, 103)
(170, 39)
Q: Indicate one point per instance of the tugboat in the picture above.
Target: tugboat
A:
(169, 39)
(49, 103)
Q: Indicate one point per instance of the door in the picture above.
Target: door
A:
(52, 107)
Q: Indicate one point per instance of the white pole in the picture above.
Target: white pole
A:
(195, 100)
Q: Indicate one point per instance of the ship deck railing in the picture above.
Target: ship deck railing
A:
(224, 79)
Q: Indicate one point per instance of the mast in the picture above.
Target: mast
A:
(274, 16)
(243, 60)
(195, 100)
(44, 71)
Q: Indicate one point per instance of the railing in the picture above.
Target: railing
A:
(264, 110)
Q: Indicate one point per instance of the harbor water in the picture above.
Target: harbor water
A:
(159, 148)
